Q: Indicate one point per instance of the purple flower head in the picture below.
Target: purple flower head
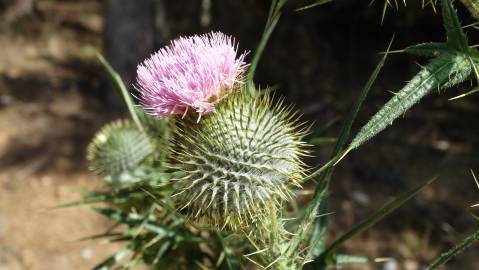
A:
(191, 72)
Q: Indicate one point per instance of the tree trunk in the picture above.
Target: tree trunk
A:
(129, 36)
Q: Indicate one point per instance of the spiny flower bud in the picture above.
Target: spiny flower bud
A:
(238, 160)
(191, 73)
(117, 150)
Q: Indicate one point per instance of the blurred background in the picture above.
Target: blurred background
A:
(54, 96)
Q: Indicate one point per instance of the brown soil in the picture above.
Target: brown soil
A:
(46, 119)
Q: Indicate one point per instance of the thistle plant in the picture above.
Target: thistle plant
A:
(237, 159)
(202, 174)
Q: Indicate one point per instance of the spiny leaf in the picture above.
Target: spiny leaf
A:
(133, 220)
(162, 250)
(89, 199)
(121, 89)
(429, 49)
(315, 4)
(432, 3)
(273, 17)
(322, 140)
(385, 7)
(386, 4)
(389, 4)
(117, 197)
(444, 71)
(473, 91)
(348, 123)
(319, 202)
(114, 259)
(227, 258)
(456, 38)
(373, 219)
(445, 257)
(102, 235)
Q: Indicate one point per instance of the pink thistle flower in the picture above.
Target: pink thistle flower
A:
(191, 72)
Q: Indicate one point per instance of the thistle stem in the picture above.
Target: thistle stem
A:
(121, 90)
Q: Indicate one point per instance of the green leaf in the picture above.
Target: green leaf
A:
(87, 200)
(101, 235)
(373, 219)
(338, 153)
(429, 49)
(162, 250)
(114, 259)
(121, 90)
(273, 18)
(348, 123)
(134, 220)
(316, 242)
(343, 137)
(448, 69)
(227, 259)
(315, 4)
(445, 257)
(456, 38)
(119, 196)
(322, 140)
(444, 71)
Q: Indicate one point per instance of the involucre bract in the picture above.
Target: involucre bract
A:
(237, 161)
(118, 150)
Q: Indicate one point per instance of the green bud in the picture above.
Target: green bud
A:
(117, 151)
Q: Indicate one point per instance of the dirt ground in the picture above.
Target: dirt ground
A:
(50, 108)
(46, 119)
